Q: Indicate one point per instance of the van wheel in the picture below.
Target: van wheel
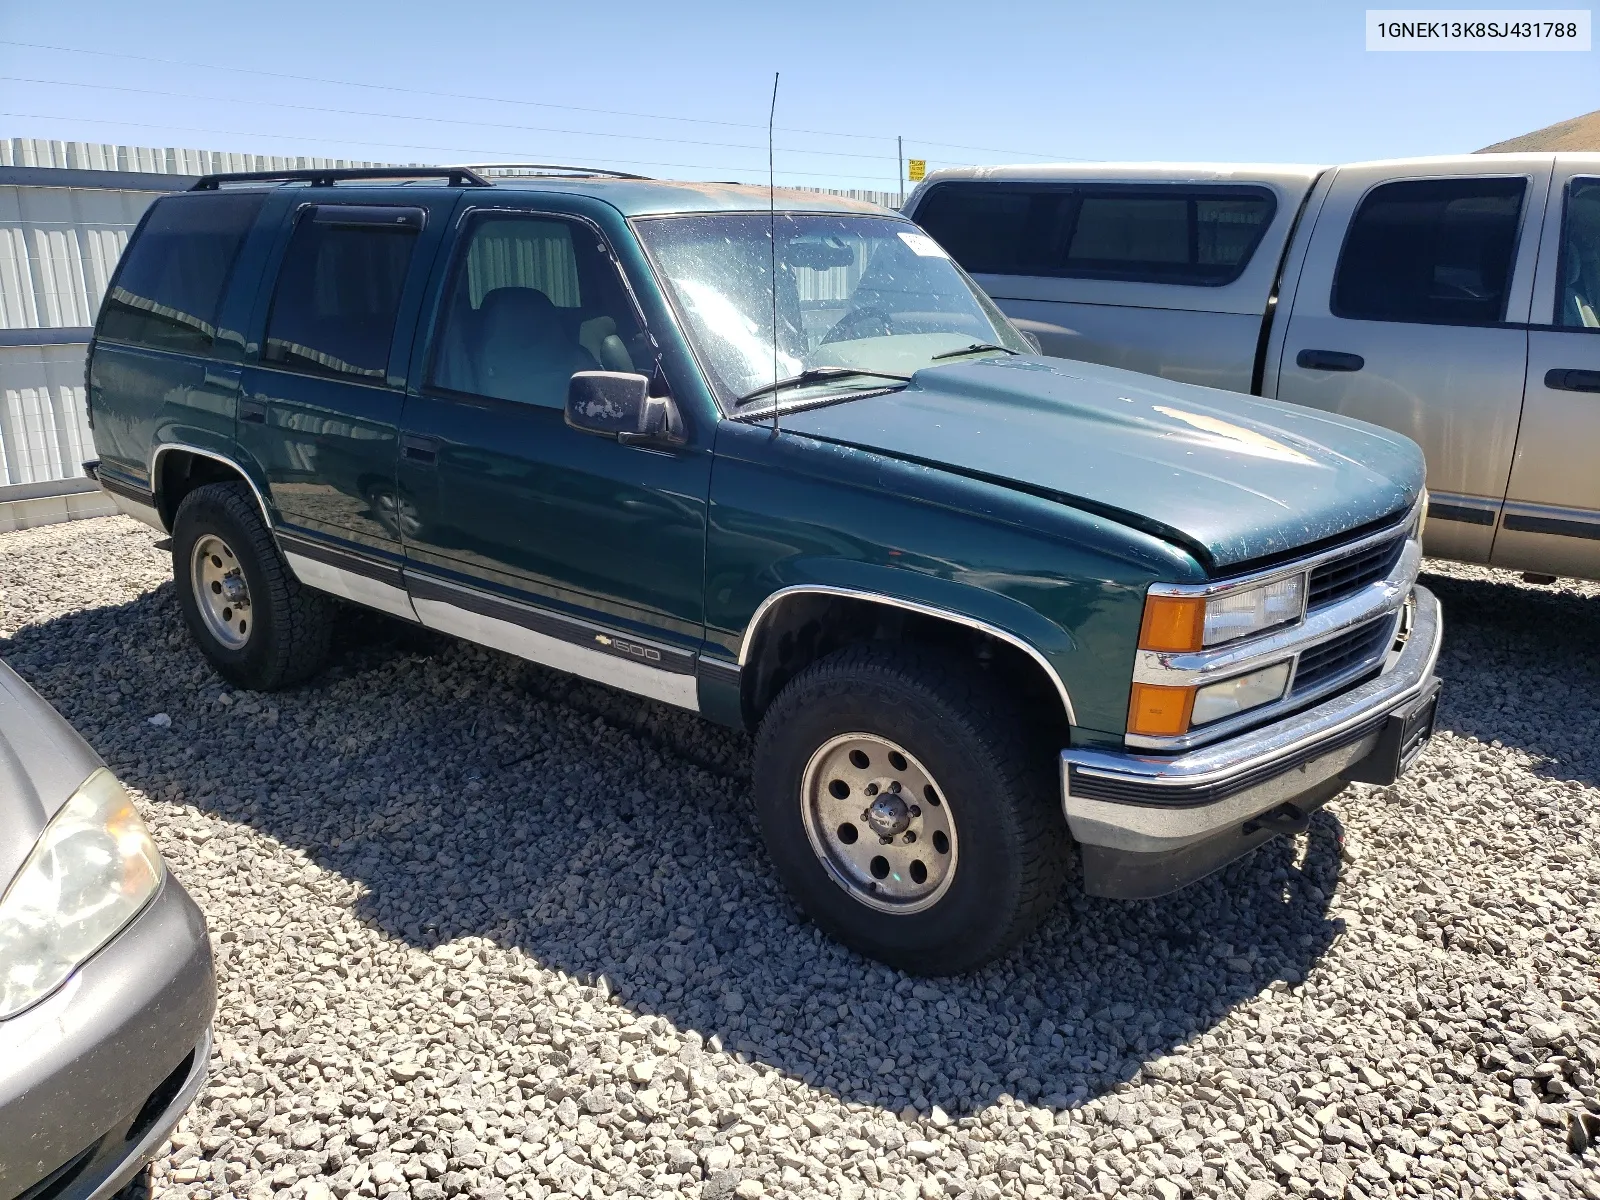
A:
(903, 810)
(260, 627)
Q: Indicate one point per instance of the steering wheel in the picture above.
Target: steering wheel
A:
(857, 324)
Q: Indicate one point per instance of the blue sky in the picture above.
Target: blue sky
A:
(684, 87)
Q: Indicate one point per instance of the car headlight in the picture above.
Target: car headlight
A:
(1179, 623)
(1239, 694)
(92, 870)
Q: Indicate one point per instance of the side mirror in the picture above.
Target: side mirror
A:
(618, 404)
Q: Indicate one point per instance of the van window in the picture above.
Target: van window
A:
(338, 291)
(1578, 285)
(1202, 236)
(1435, 251)
(168, 287)
(532, 301)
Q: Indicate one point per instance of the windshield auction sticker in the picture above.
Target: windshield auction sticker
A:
(1477, 29)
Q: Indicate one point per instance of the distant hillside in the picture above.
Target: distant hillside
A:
(1580, 133)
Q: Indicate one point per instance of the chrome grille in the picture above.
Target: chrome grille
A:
(1362, 646)
(1339, 577)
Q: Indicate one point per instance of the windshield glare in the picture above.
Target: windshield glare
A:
(873, 293)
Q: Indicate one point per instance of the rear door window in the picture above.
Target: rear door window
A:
(1201, 236)
(170, 282)
(1433, 251)
(1578, 284)
(338, 291)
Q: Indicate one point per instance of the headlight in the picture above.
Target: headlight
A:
(91, 871)
(1179, 623)
(1239, 694)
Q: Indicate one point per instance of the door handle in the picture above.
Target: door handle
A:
(418, 449)
(1329, 360)
(253, 411)
(1568, 379)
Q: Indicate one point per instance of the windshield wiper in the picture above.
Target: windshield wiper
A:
(818, 375)
(975, 348)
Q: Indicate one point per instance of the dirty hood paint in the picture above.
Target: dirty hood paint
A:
(1232, 477)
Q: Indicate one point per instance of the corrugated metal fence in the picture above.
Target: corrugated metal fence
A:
(67, 210)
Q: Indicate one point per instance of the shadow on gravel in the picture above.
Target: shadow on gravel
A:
(1521, 666)
(601, 835)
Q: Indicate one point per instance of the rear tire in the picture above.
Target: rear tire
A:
(259, 626)
(875, 743)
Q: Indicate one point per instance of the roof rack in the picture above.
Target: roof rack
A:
(328, 176)
(562, 167)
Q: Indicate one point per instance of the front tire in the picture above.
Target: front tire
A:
(903, 809)
(259, 626)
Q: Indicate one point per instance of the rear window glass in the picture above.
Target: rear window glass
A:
(1159, 234)
(1433, 251)
(169, 284)
(338, 294)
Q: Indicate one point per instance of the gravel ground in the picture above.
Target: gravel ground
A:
(482, 930)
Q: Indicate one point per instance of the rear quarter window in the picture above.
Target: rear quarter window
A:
(170, 281)
(1201, 236)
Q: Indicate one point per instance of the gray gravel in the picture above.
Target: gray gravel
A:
(482, 930)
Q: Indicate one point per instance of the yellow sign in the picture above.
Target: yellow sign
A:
(918, 167)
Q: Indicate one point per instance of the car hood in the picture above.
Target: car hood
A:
(1232, 478)
(42, 762)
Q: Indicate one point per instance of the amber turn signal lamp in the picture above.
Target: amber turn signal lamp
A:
(1155, 711)
(1173, 623)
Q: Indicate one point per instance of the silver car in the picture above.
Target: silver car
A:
(1454, 299)
(106, 987)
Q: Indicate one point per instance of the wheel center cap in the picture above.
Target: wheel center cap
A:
(234, 589)
(888, 815)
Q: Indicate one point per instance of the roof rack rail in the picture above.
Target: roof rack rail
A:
(328, 176)
(563, 167)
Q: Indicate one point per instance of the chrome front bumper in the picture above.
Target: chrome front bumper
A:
(1149, 824)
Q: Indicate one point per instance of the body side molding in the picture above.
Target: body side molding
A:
(927, 610)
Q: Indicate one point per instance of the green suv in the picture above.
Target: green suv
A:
(775, 459)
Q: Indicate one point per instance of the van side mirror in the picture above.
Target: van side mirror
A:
(618, 404)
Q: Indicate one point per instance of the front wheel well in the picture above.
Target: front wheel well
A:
(806, 626)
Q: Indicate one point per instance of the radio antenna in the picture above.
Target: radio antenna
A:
(772, 243)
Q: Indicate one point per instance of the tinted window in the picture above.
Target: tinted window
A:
(998, 230)
(1578, 289)
(533, 300)
(1160, 234)
(339, 289)
(1436, 250)
(170, 282)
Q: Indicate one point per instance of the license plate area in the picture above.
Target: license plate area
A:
(1403, 737)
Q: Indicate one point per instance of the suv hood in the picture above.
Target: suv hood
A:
(42, 762)
(1231, 478)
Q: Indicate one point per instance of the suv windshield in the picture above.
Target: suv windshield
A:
(868, 294)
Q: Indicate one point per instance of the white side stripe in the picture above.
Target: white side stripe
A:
(361, 589)
(601, 666)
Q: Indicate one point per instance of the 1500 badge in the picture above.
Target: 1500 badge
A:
(631, 649)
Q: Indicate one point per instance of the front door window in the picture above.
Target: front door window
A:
(534, 300)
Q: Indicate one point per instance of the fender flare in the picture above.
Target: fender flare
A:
(766, 607)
